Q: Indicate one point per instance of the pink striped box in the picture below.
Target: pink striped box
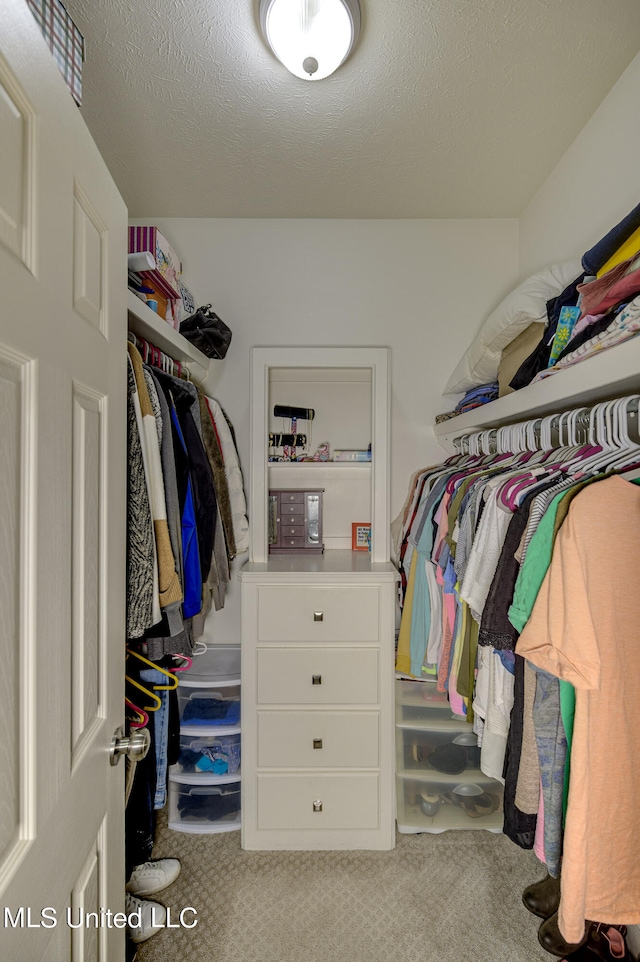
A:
(166, 276)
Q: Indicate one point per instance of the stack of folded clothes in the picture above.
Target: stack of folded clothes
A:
(218, 759)
(211, 711)
(477, 396)
(597, 332)
(474, 398)
(603, 301)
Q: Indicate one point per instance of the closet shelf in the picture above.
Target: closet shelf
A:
(147, 324)
(611, 373)
(431, 776)
(450, 723)
(412, 821)
(176, 774)
(318, 469)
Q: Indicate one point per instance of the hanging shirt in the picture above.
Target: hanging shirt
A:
(584, 628)
(190, 553)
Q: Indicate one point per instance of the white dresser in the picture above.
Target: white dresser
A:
(317, 712)
(318, 630)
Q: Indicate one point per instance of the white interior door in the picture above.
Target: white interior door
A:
(62, 513)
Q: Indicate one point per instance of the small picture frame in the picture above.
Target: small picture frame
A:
(361, 536)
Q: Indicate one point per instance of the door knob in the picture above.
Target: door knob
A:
(135, 746)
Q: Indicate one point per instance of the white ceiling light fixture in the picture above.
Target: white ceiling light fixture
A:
(312, 38)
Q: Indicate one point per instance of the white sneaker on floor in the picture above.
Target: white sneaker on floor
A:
(152, 917)
(153, 876)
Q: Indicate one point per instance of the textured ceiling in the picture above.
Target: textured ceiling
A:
(447, 108)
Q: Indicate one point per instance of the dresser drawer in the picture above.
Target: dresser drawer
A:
(318, 739)
(295, 497)
(292, 530)
(317, 676)
(323, 801)
(317, 613)
(292, 509)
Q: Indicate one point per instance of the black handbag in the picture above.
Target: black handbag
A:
(207, 332)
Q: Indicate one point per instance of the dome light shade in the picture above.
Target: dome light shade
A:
(310, 37)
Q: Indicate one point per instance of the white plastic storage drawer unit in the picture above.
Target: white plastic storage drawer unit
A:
(212, 754)
(209, 806)
(204, 785)
(439, 782)
(209, 707)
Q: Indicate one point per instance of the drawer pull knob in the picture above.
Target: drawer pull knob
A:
(316, 679)
(317, 805)
(292, 497)
(318, 616)
(317, 743)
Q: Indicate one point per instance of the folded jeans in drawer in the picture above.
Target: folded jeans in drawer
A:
(318, 739)
(318, 613)
(322, 801)
(318, 675)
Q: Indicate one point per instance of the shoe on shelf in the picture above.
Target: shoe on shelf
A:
(153, 876)
(152, 918)
(543, 898)
(552, 940)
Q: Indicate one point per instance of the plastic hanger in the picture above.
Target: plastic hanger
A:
(602, 430)
(627, 411)
(186, 667)
(163, 671)
(150, 694)
(143, 718)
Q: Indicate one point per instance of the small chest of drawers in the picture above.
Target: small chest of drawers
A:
(295, 521)
(317, 669)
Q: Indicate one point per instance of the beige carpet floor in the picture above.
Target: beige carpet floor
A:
(454, 897)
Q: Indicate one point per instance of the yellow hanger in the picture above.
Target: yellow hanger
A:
(163, 671)
(148, 693)
(142, 717)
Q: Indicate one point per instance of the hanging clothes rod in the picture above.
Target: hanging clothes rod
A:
(612, 422)
(156, 358)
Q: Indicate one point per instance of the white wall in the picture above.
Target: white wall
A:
(421, 287)
(595, 184)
